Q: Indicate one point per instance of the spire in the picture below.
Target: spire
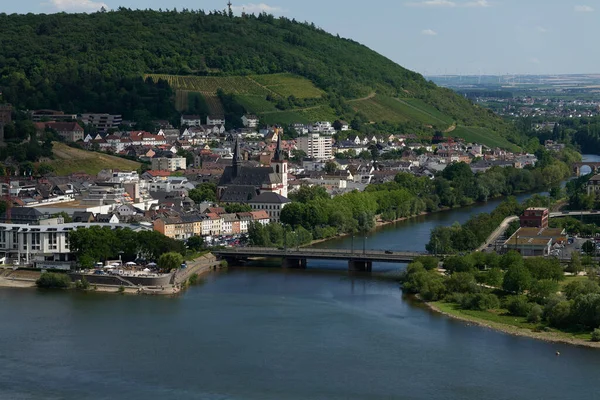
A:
(237, 157)
(278, 156)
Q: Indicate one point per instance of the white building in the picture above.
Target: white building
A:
(191, 120)
(46, 246)
(272, 203)
(250, 121)
(102, 122)
(316, 146)
(213, 120)
(168, 164)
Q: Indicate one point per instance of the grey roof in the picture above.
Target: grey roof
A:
(238, 193)
(254, 176)
(270, 197)
(22, 214)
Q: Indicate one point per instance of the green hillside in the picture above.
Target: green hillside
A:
(147, 64)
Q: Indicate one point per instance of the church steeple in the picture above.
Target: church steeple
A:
(237, 157)
(278, 156)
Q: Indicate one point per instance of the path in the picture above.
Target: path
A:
(497, 232)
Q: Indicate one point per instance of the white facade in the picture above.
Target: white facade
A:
(215, 121)
(250, 121)
(168, 164)
(191, 120)
(25, 244)
(316, 146)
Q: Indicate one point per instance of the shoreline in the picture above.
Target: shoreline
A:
(549, 337)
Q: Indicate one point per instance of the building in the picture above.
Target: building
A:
(535, 241)
(70, 131)
(250, 121)
(52, 115)
(239, 183)
(191, 120)
(5, 114)
(215, 120)
(316, 146)
(22, 215)
(271, 203)
(535, 217)
(168, 163)
(102, 122)
(593, 185)
(44, 246)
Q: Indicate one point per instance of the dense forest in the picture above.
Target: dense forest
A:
(95, 62)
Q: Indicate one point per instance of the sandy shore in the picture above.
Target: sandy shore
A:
(16, 283)
(516, 331)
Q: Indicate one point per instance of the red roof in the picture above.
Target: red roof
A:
(155, 172)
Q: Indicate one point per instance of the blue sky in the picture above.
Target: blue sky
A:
(428, 36)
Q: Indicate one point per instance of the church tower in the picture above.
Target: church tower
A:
(237, 159)
(280, 166)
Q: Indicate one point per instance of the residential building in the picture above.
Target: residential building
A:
(316, 146)
(168, 163)
(250, 121)
(271, 203)
(535, 241)
(51, 115)
(215, 120)
(191, 120)
(102, 122)
(70, 131)
(593, 185)
(534, 217)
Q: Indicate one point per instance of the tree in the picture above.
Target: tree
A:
(237, 208)
(575, 265)
(204, 192)
(51, 280)
(494, 277)
(578, 287)
(589, 248)
(170, 261)
(330, 167)
(517, 279)
(195, 243)
(541, 290)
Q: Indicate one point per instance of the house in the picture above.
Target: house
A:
(271, 203)
(260, 216)
(215, 120)
(70, 131)
(250, 121)
(83, 216)
(107, 218)
(168, 163)
(534, 217)
(190, 120)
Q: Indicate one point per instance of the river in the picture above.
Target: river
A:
(262, 333)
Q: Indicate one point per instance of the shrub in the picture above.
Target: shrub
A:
(518, 306)
(82, 284)
(224, 264)
(535, 314)
(192, 280)
(52, 280)
(428, 262)
(480, 301)
(455, 298)
(559, 314)
(121, 289)
(596, 335)
(462, 282)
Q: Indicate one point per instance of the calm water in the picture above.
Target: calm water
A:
(255, 334)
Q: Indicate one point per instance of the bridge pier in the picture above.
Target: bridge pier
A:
(360, 265)
(293, 262)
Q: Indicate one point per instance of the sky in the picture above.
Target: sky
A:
(432, 37)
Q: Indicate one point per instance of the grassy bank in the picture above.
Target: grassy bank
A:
(501, 321)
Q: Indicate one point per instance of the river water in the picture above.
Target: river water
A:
(265, 333)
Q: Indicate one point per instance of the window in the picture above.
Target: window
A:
(15, 240)
(53, 241)
(35, 241)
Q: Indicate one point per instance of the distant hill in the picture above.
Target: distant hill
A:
(151, 64)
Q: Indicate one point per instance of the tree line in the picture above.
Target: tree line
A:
(529, 288)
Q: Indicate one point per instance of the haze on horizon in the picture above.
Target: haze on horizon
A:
(432, 37)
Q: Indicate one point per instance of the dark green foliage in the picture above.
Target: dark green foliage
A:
(480, 301)
(558, 313)
(542, 289)
(170, 261)
(577, 288)
(535, 314)
(494, 277)
(53, 280)
(596, 335)
(428, 262)
(237, 208)
(516, 279)
(462, 282)
(53, 61)
(204, 192)
(429, 284)
(459, 264)
(518, 306)
(195, 243)
(545, 268)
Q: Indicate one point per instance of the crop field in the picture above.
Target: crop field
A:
(482, 135)
(214, 105)
(256, 104)
(286, 85)
(306, 116)
(210, 84)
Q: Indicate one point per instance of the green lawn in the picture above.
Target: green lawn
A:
(322, 113)
(256, 104)
(499, 319)
(483, 136)
(68, 160)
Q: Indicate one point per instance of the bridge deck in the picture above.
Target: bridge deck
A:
(323, 254)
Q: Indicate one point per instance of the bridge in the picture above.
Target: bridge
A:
(297, 257)
(595, 167)
(573, 213)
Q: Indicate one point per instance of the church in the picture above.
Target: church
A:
(240, 184)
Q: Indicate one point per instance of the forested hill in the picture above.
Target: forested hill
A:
(97, 62)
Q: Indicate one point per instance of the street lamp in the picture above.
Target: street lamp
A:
(365, 245)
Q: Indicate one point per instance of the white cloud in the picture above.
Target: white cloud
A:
(585, 9)
(477, 3)
(541, 29)
(77, 5)
(433, 3)
(257, 8)
(428, 32)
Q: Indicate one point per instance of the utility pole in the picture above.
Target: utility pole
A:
(230, 10)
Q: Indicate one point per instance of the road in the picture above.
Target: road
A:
(497, 232)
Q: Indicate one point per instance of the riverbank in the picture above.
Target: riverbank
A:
(519, 328)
